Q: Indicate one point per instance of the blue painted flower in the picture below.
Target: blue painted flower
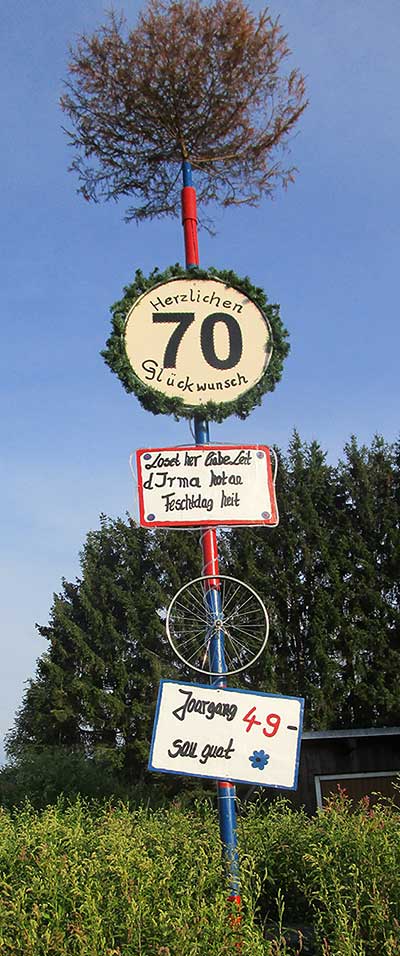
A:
(259, 759)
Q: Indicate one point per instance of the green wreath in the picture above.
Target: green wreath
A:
(116, 358)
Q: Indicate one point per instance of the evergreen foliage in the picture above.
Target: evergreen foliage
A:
(328, 573)
(368, 552)
(96, 686)
(292, 567)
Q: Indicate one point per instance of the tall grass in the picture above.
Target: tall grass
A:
(99, 880)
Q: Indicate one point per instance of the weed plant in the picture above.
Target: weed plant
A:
(337, 873)
(86, 879)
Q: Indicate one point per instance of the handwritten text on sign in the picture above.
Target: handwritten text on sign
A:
(227, 734)
(203, 484)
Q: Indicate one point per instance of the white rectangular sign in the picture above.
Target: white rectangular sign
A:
(227, 734)
(206, 485)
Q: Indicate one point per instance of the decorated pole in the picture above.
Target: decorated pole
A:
(209, 544)
(198, 344)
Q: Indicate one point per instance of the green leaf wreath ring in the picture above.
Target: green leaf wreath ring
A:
(153, 401)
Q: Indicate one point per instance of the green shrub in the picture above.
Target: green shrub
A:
(338, 872)
(352, 870)
(113, 882)
(43, 774)
(89, 879)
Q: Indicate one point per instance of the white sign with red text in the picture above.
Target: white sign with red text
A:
(207, 485)
(227, 734)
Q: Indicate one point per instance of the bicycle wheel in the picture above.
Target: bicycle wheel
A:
(199, 611)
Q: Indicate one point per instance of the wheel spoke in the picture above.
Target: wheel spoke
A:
(229, 599)
(189, 613)
(190, 640)
(238, 610)
(243, 630)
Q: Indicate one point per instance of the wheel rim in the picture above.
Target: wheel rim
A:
(192, 624)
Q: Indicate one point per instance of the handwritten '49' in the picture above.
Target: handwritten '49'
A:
(272, 721)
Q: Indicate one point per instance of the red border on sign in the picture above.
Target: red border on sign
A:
(208, 522)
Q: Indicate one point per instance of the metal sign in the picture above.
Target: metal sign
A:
(227, 734)
(206, 485)
(198, 340)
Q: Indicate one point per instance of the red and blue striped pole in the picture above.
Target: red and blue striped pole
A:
(209, 544)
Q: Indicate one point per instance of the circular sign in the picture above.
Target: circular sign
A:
(192, 342)
(197, 340)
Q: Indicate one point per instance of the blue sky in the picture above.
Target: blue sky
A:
(327, 250)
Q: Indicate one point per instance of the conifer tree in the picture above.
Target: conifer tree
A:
(292, 568)
(96, 686)
(368, 551)
(328, 573)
